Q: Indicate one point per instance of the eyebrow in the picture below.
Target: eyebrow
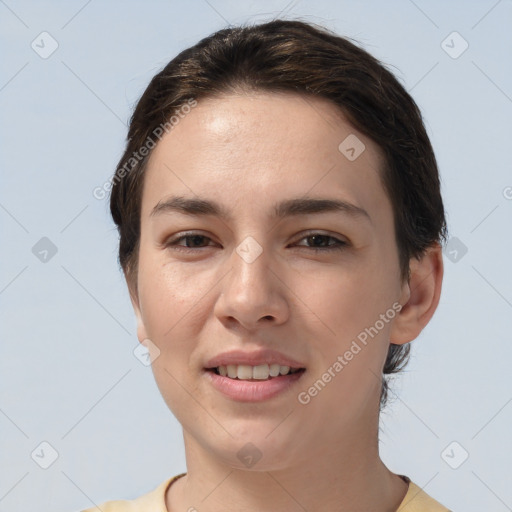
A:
(287, 208)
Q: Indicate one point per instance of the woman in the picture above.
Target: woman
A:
(280, 225)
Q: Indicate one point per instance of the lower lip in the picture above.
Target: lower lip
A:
(252, 390)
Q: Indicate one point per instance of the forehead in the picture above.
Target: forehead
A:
(303, 123)
(264, 146)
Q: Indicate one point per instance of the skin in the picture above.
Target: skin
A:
(248, 151)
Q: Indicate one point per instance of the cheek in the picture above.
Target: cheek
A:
(167, 296)
(348, 300)
(350, 349)
(349, 305)
(170, 305)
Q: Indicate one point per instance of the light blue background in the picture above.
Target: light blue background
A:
(69, 376)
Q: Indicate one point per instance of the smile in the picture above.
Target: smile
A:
(259, 372)
(253, 383)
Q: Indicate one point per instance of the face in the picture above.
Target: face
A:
(282, 274)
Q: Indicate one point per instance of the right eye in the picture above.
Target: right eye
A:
(195, 240)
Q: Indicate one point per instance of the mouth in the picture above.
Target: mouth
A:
(253, 375)
(246, 383)
(261, 372)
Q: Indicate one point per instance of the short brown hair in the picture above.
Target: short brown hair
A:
(298, 57)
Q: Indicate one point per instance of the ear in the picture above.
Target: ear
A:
(134, 298)
(420, 296)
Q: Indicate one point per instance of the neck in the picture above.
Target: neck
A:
(344, 473)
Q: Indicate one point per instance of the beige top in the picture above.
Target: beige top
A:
(416, 500)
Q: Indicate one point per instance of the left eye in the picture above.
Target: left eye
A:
(319, 241)
(189, 236)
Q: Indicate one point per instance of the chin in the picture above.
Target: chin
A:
(256, 450)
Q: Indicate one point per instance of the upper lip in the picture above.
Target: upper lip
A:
(253, 358)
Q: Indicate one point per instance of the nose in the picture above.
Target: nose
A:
(253, 294)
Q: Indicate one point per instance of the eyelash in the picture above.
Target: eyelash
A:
(338, 245)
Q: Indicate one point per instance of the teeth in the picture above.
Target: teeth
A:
(274, 370)
(283, 370)
(244, 371)
(259, 372)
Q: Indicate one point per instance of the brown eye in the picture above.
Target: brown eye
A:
(320, 242)
(192, 240)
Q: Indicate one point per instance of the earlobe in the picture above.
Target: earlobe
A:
(422, 292)
(141, 329)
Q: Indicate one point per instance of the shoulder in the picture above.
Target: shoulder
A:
(153, 500)
(417, 500)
